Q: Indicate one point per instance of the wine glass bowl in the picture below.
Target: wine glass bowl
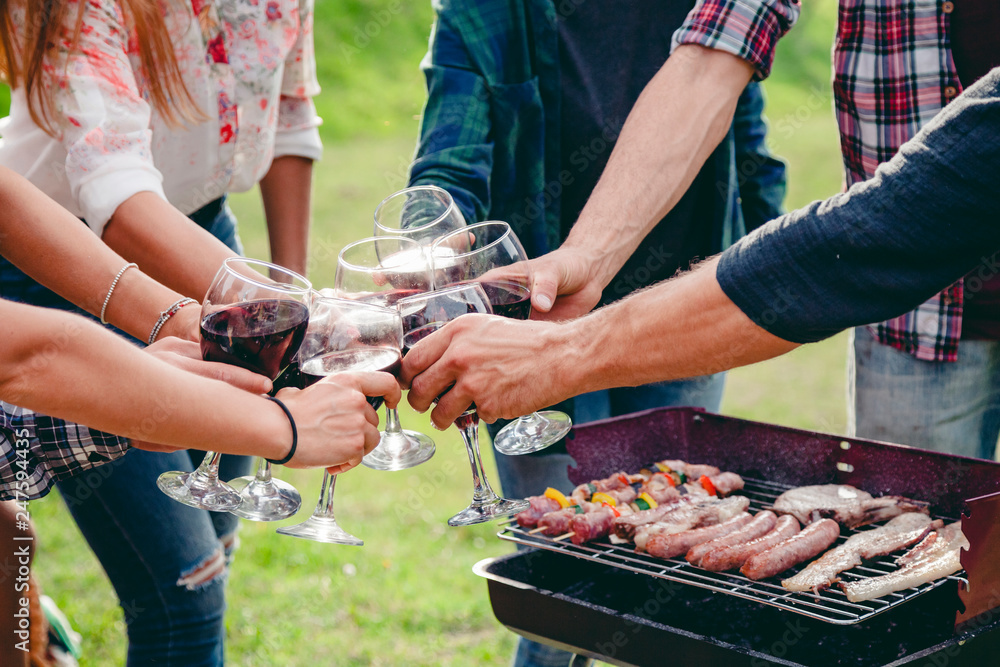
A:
(254, 315)
(420, 212)
(421, 315)
(496, 260)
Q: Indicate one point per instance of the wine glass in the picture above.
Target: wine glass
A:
(254, 315)
(383, 270)
(343, 336)
(421, 316)
(497, 261)
(424, 213)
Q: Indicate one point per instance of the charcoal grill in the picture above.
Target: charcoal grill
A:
(605, 601)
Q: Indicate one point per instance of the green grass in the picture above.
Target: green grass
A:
(409, 597)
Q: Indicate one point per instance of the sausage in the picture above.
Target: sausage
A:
(761, 524)
(812, 541)
(731, 558)
(668, 546)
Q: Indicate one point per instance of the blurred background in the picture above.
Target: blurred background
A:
(408, 597)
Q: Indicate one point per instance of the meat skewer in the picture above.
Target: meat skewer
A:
(668, 546)
(731, 558)
(609, 485)
(813, 540)
(539, 506)
(940, 558)
(762, 524)
(899, 533)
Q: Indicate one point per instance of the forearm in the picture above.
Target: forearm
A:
(681, 116)
(165, 244)
(51, 246)
(682, 328)
(135, 395)
(286, 191)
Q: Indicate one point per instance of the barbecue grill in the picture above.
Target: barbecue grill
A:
(607, 602)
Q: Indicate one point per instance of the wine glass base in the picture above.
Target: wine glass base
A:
(321, 529)
(416, 449)
(265, 501)
(488, 511)
(534, 433)
(196, 489)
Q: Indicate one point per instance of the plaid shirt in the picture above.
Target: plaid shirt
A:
(893, 72)
(36, 451)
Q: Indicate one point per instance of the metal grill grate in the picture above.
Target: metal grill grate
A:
(830, 605)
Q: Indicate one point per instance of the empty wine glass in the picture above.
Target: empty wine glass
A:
(344, 336)
(382, 271)
(423, 213)
(254, 316)
(497, 261)
(422, 315)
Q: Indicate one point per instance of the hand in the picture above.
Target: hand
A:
(336, 425)
(186, 355)
(185, 324)
(486, 359)
(565, 284)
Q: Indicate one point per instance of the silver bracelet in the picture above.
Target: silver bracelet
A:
(166, 315)
(114, 284)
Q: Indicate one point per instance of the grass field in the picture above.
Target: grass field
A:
(409, 596)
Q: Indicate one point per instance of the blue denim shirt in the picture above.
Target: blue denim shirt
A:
(490, 128)
(929, 216)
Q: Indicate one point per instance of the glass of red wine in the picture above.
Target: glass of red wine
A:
(343, 336)
(497, 261)
(424, 213)
(422, 315)
(382, 270)
(254, 315)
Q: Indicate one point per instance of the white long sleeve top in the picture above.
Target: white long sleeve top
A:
(248, 64)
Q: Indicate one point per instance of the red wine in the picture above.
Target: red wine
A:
(414, 336)
(389, 298)
(261, 336)
(385, 359)
(508, 299)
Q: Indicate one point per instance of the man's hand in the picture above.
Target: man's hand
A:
(334, 420)
(506, 367)
(565, 284)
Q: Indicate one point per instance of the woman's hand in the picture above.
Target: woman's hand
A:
(336, 425)
(185, 324)
(186, 355)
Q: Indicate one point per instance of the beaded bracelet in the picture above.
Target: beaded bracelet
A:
(114, 284)
(167, 314)
(295, 433)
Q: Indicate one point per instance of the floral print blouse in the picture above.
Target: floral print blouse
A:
(248, 64)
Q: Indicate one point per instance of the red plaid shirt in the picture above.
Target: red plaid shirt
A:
(893, 72)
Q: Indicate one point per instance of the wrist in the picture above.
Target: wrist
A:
(184, 324)
(275, 431)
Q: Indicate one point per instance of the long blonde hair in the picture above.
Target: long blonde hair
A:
(22, 60)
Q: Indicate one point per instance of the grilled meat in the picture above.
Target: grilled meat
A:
(626, 526)
(937, 558)
(707, 512)
(844, 504)
(595, 524)
(539, 507)
(813, 540)
(731, 558)
(619, 480)
(690, 470)
(762, 524)
(901, 532)
(557, 523)
(668, 546)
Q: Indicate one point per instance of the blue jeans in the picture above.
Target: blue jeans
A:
(530, 474)
(951, 407)
(166, 561)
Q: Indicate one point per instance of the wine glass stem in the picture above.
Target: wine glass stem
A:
(210, 465)
(392, 426)
(468, 425)
(263, 475)
(324, 508)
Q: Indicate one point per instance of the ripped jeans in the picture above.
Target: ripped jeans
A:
(166, 561)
